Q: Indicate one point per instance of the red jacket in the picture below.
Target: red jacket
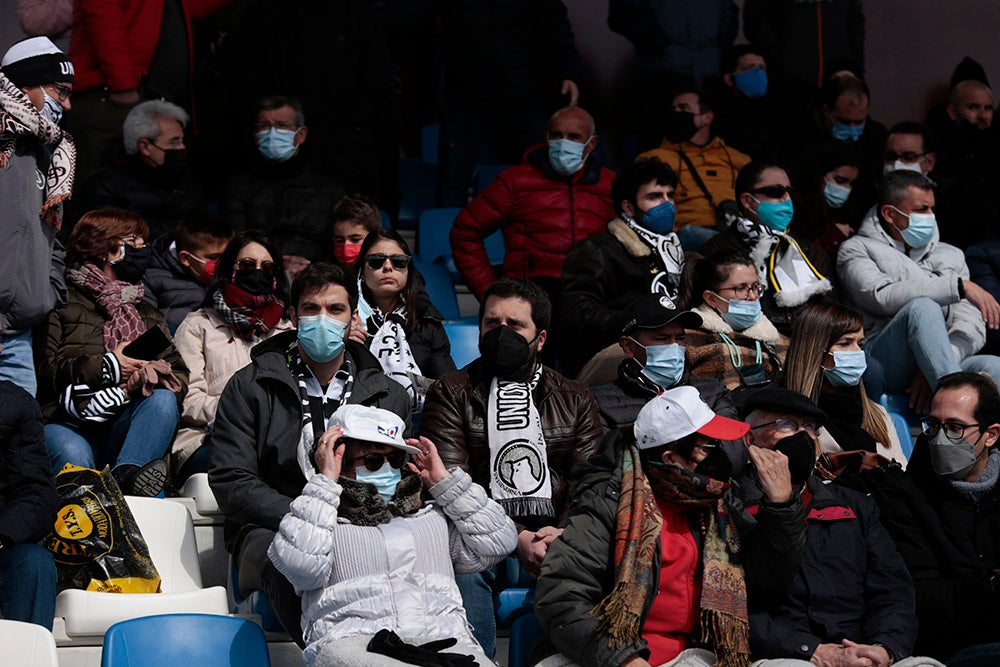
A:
(542, 215)
(113, 41)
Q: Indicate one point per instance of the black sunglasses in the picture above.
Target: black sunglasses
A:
(774, 191)
(376, 260)
(249, 264)
(374, 460)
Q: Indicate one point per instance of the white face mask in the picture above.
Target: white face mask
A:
(899, 164)
(51, 109)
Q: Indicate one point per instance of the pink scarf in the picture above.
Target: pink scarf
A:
(115, 300)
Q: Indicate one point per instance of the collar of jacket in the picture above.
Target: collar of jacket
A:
(164, 259)
(622, 233)
(538, 157)
(761, 330)
(872, 228)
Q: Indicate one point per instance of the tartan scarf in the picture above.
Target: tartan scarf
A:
(723, 622)
(18, 117)
(115, 300)
(247, 315)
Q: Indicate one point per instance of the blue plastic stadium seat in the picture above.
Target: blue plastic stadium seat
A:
(903, 431)
(434, 233)
(464, 338)
(515, 608)
(430, 136)
(386, 220)
(418, 190)
(486, 174)
(900, 404)
(439, 287)
(185, 640)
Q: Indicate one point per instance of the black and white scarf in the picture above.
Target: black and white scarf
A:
(668, 247)
(781, 265)
(316, 407)
(519, 467)
(389, 345)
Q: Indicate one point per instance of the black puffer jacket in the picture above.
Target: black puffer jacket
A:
(578, 571)
(455, 420)
(169, 286)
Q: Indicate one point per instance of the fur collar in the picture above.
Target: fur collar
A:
(761, 330)
(633, 244)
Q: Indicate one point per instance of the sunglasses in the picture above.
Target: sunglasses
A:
(249, 264)
(374, 460)
(376, 261)
(774, 191)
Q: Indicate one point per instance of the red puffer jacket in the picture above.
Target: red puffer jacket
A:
(542, 215)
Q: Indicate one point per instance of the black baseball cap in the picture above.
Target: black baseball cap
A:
(653, 311)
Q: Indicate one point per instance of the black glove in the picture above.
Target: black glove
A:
(388, 643)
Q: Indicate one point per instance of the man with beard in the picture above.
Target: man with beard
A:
(518, 427)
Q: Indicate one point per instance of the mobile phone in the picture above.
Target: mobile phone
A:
(148, 346)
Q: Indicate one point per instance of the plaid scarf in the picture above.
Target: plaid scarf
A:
(18, 117)
(247, 315)
(723, 623)
(115, 300)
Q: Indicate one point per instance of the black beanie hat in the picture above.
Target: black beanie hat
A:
(36, 61)
(969, 70)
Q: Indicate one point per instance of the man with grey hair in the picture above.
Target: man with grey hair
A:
(154, 177)
(923, 317)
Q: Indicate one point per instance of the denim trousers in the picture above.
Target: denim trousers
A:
(17, 363)
(477, 598)
(28, 584)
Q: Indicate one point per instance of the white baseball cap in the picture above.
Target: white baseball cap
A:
(371, 424)
(679, 412)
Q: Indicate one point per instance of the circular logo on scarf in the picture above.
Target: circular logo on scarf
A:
(519, 467)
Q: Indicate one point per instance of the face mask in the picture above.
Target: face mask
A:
(661, 218)
(716, 465)
(566, 156)
(742, 314)
(385, 479)
(752, 82)
(175, 163)
(346, 253)
(951, 460)
(899, 164)
(920, 230)
(276, 144)
(801, 452)
(254, 282)
(776, 215)
(664, 363)
(848, 367)
(209, 270)
(321, 337)
(506, 355)
(848, 133)
(679, 126)
(835, 195)
(51, 109)
(132, 265)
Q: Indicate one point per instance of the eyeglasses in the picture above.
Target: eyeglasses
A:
(280, 125)
(789, 426)
(744, 291)
(954, 431)
(249, 264)
(908, 158)
(376, 261)
(62, 91)
(374, 460)
(774, 191)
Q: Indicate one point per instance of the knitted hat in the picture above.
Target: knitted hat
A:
(969, 70)
(36, 61)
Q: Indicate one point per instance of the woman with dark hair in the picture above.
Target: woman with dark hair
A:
(821, 205)
(398, 322)
(103, 406)
(244, 305)
(736, 342)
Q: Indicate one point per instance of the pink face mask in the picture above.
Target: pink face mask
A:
(346, 253)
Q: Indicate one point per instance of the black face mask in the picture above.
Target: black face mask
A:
(133, 264)
(801, 452)
(679, 126)
(175, 164)
(716, 465)
(506, 355)
(254, 282)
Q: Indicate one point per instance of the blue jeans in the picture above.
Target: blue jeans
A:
(140, 434)
(28, 584)
(477, 598)
(692, 237)
(977, 655)
(17, 363)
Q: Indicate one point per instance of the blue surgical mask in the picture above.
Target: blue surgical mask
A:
(835, 194)
(664, 363)
(848, 367)
(920, 230)
(384, 479)
(566, 156)
(321, 337)
(752, 82)
(661, 218)
(848, 133)
(51, 109)
(776, 214)
(742, 314)
(276, 144)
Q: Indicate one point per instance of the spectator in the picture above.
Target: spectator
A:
(851, 601)
(280, 195)
(983, 259)
(638, 254)
(36, 80)
(749, 117)
(657, 556)
(790, 271)
(274, 410)
(923, 316)
(183, 264)
(705, 165)
(553, 420)
(354, 217)
(50, 18)
(356, 582)
(824, 363)
(154, 178)
(909, 146)
(397, 321)
(735, 343)
(820, 206)
(244, 304)
(558, 196)
(28, 505)
(102, 406)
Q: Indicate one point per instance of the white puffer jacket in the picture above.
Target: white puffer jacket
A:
(357, 580)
